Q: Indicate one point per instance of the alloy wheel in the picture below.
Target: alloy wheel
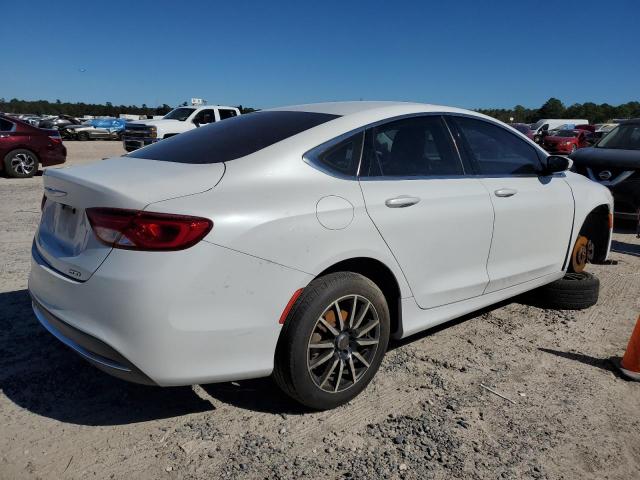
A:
(343, 343)
(23, 163)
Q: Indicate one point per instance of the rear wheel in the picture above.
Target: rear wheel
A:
(333, 340)
(82, 136)
(21, 163)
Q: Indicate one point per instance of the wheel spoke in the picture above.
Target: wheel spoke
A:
(367, 328)
(340, 320)
(328, 372)
(361, 317)
(364, 342)
(361, 358)
(339, 376)
(353, 311)
(353, 370)
(320, 360)
(329, 326)
(322, 345)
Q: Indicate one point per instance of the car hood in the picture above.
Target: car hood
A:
(606, 157)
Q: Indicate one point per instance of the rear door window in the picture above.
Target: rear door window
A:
(5, 125)
(234, 138)
(412, 147)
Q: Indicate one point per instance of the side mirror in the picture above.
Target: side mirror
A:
(556, 164)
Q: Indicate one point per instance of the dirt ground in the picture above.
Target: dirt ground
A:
(424, 416)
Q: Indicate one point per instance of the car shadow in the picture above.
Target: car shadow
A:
(625, 248)
(40, 374)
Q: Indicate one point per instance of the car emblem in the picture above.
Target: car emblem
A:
(605, 175)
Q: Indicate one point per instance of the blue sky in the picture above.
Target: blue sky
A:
(262, 54)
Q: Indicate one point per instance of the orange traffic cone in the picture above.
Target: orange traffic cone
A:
(630, 365)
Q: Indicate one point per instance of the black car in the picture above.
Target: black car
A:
(615, 163)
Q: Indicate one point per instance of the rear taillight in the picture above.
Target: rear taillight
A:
(55, 138)
(139, 230)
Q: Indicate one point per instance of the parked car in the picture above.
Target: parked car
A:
(23, 147)
(544, 125)
(586, 127)
(566, 141)
(98, 128)
(603, 129)
(58, 122)
(523, 128)
(178, 120)
(615, 163)
(296, 241)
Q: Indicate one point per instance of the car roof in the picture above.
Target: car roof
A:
(377, 108)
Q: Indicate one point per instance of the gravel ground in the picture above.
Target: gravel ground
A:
(424, 416)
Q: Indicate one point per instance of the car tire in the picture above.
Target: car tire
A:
(82, 136)
(575, 291)
(348, 352)
(21, 163)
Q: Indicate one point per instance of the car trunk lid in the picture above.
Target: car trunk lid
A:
(65, 238)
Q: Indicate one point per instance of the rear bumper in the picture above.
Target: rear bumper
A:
(90, 348)
(53, 156)
(200, 315)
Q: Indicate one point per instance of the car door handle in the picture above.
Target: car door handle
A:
(401, 202)
(505, 192)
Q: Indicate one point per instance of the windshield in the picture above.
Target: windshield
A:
(537, 125)
(181, 114)
(623, 137)
(565, 133)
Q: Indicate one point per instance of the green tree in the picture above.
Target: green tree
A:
(552, 108)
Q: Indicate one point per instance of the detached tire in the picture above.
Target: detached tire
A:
(575, 291)
(325, 358)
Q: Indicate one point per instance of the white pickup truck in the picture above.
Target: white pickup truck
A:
(178, 120)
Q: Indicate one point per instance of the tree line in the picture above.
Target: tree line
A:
(79, 109)
(552, 108)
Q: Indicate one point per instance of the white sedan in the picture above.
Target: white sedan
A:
(296, 241)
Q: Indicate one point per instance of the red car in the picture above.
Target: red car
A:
(587, 127)
(23, 147)
(566, 141)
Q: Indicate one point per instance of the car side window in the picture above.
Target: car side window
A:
(341, 158)
(226, 113)
(205, 116)
(496, 151)
(5, 125)
(411, 147)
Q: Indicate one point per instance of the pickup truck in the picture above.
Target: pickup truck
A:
(178, 120)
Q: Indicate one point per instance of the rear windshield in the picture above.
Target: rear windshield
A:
(234, 138)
